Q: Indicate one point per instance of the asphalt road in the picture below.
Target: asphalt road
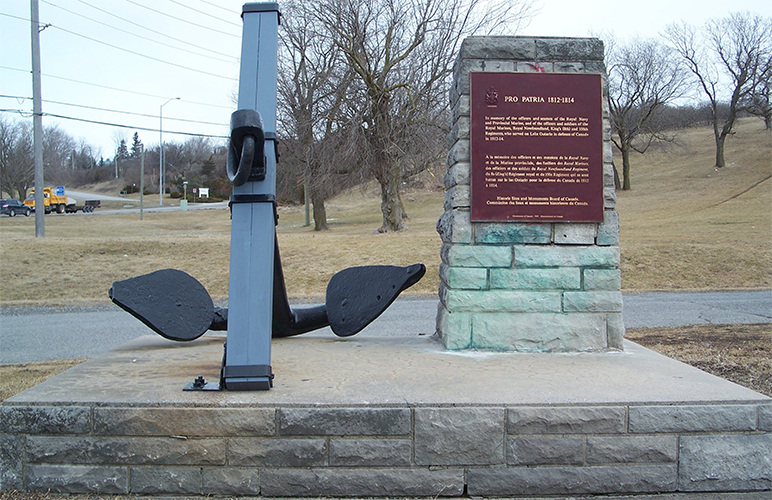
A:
(45, 334)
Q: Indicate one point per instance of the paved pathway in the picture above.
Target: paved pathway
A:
(39, 335)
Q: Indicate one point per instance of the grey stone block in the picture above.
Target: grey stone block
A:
(535, 67)
(455, 226)
(457, 197)
(11, 462)
(45, 419)
(165, 481)
(459, 436)
(512, 233)
(499, 47)
(569, 49)
(78, 479)
(457, 174)
(230, 481)
(277, 452)
(574, 234)
(115, 450)
(615, 328)
(539, 332)
(459, 153)
(494, 66)
(371, 452)
(608, 231)
(765, 418)
(185, 421)
(341, 482)
(344, 421)
(541, 481)
(726, 463)
(704, 418)
(632, 449)
(537, 450)
(567, 420)
(609, 198)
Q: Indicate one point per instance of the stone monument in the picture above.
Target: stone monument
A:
(530, 234)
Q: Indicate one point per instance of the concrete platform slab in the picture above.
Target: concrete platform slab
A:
(411, 371)
(387, 417)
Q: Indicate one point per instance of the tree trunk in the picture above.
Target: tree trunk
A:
(391, 203)
(768, 122)
(720, 150)
(625, 167)
(320, 213)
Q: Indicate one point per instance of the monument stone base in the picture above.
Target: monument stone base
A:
(387, 417)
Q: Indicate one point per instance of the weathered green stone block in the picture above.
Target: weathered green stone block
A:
(592, 302)
(565, 256)
(476, 255)
(536, 279)
(603, 279)
(454, 329)
(512, 233)
(539, 332)
(465, 278)
(503, 301)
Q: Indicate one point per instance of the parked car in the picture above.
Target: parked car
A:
(13, 207)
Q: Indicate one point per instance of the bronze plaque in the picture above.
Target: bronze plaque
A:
(537, 147)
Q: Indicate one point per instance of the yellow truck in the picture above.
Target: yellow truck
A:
(55, 200)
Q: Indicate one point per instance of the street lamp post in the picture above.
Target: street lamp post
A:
(161, 152)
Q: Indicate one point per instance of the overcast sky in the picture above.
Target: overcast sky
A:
(104, 54)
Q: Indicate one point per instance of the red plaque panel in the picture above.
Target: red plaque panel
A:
(537, 147)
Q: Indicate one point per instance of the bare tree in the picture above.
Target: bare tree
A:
(402, 55)
(644, 76)
(728, 59)
(312, 86)
(759, 103)
(16, 163)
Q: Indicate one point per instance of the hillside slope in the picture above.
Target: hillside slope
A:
(687, 225)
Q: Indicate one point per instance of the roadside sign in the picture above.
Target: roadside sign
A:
(59, 190)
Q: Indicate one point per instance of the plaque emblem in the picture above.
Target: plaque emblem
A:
(492, 97)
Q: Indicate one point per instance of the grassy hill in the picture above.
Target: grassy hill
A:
(684, 226)
(687, 225)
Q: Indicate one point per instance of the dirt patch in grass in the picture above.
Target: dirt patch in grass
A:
(740, 353)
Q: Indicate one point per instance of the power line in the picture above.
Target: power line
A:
(138, 35)
(205, 13)
(181, 20)
(95, 108)
(144, 94)
(152, 30)
(142, 55)
(97, 122)
(218, 6)
(110, 124)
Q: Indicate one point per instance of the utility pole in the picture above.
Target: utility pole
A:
(37, 121)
